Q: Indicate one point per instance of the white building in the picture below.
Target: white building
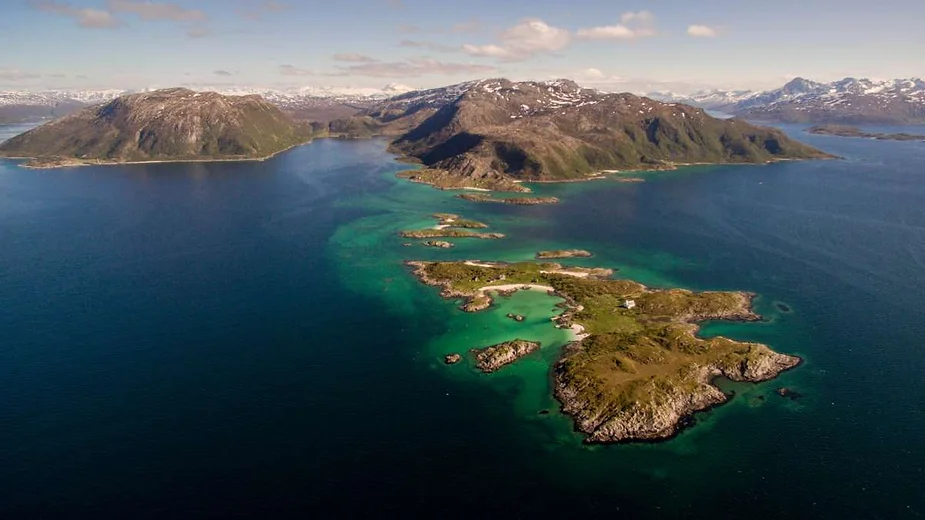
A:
(629, 304)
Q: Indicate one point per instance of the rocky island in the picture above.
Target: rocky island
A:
(517, 201)
(490, 359)
(851, 131)
(563, 253)
(637, 370)
(163, 125)
(450, 226)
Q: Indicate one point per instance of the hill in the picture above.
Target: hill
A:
(494, 133)
(163, 125)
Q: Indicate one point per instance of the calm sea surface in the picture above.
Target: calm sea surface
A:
(242, 340)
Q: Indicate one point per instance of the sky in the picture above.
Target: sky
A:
(637, 46)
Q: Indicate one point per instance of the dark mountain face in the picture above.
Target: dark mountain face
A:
(493, 133)
(171, 124)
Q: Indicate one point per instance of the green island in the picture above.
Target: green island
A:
(450, 226)
(636, 371)
(564, 253)
(451, 220)
(521, 201)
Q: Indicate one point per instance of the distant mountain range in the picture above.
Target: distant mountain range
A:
(303, 103)
(848, 101)
(488, 134)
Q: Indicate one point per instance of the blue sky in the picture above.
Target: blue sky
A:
(632, 45)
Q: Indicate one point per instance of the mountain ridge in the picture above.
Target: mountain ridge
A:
(846, 101)
(495, 134)
(163, 125)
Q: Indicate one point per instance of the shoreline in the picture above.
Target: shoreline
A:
(667, 410)
(79, 163)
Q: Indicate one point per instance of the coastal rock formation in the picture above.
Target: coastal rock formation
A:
(518, 201)
(658, 407)
(448, 233)
(516, 317)
(563, 253)
(493, 133)
(851, 131)
(490, 359)
(635, 372)
(441, 244)
(452, 359)
(163, 125)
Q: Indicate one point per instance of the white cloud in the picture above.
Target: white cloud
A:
(86, 17)
(592, 73)
(523, 41)
(17, 75)
(632, 25)
(413, 68)
(701, 31)
(354, 57)
(156, 11)
(292, 70)
(431, 46)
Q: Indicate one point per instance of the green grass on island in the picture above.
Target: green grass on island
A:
(451, 226)
(637, 370)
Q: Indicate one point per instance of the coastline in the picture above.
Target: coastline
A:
(78, 163)
(634, 407)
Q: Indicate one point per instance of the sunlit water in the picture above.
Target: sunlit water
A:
(243, 339)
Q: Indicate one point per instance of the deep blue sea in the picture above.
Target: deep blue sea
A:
(242, 340)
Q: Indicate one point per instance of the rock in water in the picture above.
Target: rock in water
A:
(494, 357)
(452, 359)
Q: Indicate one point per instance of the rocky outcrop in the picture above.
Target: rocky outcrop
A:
(563, 253)
(668, 407)
(516, 317)
(490, 359)
(440, 244)
(517, 201)
(452, 359)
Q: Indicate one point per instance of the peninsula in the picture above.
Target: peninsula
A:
(637, 371)
(160, 126)
(495, 134)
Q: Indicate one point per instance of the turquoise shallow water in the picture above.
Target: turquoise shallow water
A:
(243, 339)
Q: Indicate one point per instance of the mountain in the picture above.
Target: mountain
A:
(495, 133)
(847, 101)
(310, 103)
(162, 125)
(20, 106)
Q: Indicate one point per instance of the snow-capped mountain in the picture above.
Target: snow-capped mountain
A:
(309, 103)
(52, 97)
(850, 100)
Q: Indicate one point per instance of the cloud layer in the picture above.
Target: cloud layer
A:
(632, 25)
(523, 41)
(701, 31)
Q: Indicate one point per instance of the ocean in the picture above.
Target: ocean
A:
(243, 340)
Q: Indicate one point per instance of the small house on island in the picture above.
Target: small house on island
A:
(629, 304)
